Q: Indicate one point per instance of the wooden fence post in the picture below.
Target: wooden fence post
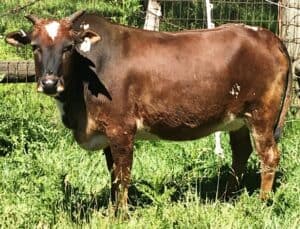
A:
(152, 15)
(289, 31)
(289, 18)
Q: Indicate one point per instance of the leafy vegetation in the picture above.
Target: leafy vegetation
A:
(47, 181)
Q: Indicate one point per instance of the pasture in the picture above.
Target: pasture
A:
(48, 181)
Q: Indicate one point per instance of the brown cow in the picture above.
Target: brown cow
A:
(114, 84)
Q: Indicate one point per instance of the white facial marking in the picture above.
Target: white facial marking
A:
(86, 45)
(52, 29)
(60, 107)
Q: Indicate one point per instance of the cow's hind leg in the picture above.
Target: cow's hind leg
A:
(268, 152)
(241, 149)
(119, 158)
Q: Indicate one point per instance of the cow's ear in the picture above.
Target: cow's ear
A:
(88, 38)
(17, 38)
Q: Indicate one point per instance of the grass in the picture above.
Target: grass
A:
(48, 181)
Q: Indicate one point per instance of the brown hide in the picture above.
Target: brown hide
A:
(175, 86)
(186, 85)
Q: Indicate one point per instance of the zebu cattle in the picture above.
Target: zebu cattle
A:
(114, 84)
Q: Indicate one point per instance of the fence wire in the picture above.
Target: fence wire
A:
(192, 14)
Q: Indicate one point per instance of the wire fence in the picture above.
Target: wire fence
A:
(176, 15)
(188, 14)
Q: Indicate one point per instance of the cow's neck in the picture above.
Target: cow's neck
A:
(71, 101)
(72, 106)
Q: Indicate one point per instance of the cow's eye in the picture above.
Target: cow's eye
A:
(68, 48)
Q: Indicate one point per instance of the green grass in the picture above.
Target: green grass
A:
(48, 181)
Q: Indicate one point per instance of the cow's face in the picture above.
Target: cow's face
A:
(53, 43)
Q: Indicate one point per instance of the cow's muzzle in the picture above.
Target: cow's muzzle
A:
(50, 85)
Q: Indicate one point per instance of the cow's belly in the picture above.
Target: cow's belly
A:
(100, 141)
(183, 133)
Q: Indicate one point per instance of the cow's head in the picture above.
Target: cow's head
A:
(53, 43)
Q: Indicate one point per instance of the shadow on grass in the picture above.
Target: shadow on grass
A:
(80, 206)
(212, 188)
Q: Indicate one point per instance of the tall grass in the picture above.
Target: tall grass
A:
(48, 181)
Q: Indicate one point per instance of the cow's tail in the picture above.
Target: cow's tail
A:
(287, 97)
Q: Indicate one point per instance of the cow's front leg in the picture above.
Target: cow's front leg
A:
(119, 158)
(109, 163)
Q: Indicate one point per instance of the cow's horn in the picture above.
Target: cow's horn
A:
(75, 15)
(34, 19)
